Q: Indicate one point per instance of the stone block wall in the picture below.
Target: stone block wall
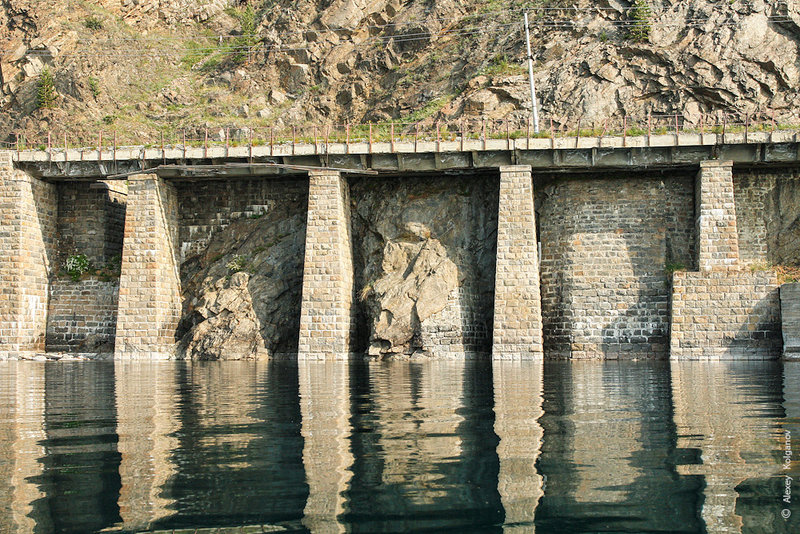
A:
(28, 210)
(82, 315)
(725, 314)
(517, 331)
(606, 243)
(790, 319)
(725, 311)
(210, 206)
(768, 216)
(91, 219)
(327, 315)
(149, 292)
(717, 236)
(458, 330)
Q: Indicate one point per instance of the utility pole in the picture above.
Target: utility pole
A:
(530, 77)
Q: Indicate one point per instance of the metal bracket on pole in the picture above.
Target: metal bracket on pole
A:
(530, 77)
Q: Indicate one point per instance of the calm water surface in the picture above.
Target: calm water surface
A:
(400, 447)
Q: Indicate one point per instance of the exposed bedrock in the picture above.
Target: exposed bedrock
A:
(424, 252)
(241, 294)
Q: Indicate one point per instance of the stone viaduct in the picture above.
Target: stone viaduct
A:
(611, 247)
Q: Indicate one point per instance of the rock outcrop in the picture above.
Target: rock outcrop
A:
(242, 295)
(323, 61)
(424, 254)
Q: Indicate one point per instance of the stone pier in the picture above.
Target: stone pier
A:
(149, 293)
(28, 212)
(715, 212)
(723, 311)
(327, 313)
(790, 319)
(517, 331)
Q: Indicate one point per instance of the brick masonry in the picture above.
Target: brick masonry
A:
(82, 315)
(208, 207)
(725, 314)
(91, 219)
(517, 330)
(327, 315)
(149, 291)
(28, 211)
(790, 317)
(724, 311)
(606, 242)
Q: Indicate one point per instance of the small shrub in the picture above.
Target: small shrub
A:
(237, 263)
(93, 23)
(672, 267)
(46, 92)
(76, 265)
(94, 86)
(109, 119)
(639, 18)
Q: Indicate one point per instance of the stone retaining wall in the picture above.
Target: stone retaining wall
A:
(606, 245)
(790, 318)
(210, 206)
(91, 219)
(82, 315)
(725, 315)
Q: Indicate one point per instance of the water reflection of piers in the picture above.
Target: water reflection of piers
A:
(325, 409)
(22, 406)
(715, 405)
(424, 447)
(518, 407)
(147, 420)
(608, 433)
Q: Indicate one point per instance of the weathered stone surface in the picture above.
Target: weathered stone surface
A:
(768, 216)
(424, 252)
(606, 244)
(790, 317)
(242, 286)
(28, 210)
(149, 290)
(517, 329)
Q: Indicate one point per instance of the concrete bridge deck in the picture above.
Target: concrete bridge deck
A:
(569, 154)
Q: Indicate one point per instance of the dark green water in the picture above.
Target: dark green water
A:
(400, 447)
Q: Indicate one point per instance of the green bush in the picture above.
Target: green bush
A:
(639, 18)
(94, 86)
(93, 23)
(46, 93)
(76, 265)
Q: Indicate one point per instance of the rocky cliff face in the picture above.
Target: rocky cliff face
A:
(322, 61)
(424, 251)
(242, 294)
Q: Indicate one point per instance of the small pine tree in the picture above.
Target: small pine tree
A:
(639, 17)
(46, 94)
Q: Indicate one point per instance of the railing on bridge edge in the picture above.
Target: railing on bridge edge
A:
(400, 132)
